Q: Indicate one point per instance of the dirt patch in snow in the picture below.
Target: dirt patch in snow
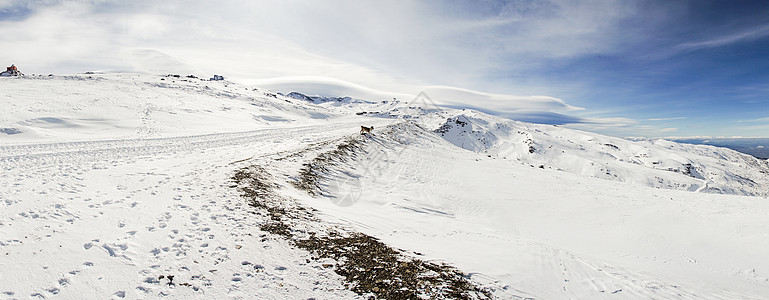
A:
(370, 267)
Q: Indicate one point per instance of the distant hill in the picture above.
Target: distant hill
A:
(758, 147)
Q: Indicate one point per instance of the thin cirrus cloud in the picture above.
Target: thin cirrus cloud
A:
(667, 119)
(428, 41)
(538, 109)
(758, 120)
(381, 44)
(735, 37)
(504, 47)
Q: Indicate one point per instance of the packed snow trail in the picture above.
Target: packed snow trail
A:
(21, 156)
(92, 219)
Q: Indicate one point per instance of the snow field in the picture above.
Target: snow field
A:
(112, 222)
(111, 183)
(552, 234)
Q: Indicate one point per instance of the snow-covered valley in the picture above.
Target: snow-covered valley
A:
(112, 182)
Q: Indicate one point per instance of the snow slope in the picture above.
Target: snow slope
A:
(113, 195)
(652, 163)
(112, 182)
(551, 234)
(116, 106)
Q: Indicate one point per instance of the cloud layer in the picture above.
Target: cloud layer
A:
(410, 41)
(620, 60)
(535, 109)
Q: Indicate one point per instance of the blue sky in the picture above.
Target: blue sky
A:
(624, 68)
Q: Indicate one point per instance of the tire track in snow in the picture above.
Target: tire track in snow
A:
(154, 208)
(26, 156)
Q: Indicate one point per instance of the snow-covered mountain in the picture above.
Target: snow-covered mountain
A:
(320, 99)
(136, 186)
(653, 163)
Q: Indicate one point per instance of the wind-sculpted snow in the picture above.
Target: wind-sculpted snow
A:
(653, 163)
(549, 234)
(368, 265)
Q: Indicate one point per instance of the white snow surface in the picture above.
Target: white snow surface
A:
(647, 162)
(109, 181)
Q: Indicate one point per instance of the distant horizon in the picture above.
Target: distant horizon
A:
(251, 82)
(757, 147)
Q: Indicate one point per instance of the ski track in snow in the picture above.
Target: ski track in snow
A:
(124, 212)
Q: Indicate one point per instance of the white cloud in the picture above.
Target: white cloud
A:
(452, 96)
(734, 37)
(57, 38)
(538, 109)
(380, 44)
(666, 119)
(374, 48)
(621, 127)
(759, 120)
(327, 87)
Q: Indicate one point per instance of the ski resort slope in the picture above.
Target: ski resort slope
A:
(111, 183)
(550, 234)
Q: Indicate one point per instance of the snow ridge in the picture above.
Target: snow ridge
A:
(657, 163)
